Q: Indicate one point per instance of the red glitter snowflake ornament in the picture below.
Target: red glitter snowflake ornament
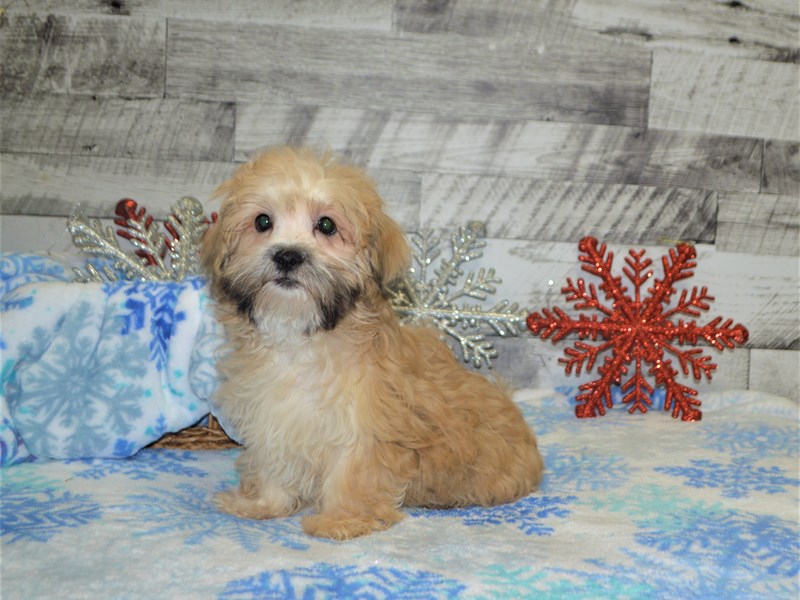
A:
(636, 330)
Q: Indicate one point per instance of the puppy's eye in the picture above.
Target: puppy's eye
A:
(326, 226)
(263, 222)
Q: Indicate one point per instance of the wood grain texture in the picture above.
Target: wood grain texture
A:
(259, 63)
(342, 14)
(470, 17)
(35, 234)
(759, 224)
(62, 54)
(781, 173)
(147, 129)
(765, 30)
(52, 185)
(537, 209)
(776, 372)
(708, 94)
(541, 23)
(535, 149)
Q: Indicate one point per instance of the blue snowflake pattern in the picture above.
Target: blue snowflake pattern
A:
(26, 478)
(737, 479)
(17, 300)
(157, 299)
(83, 379)
(30, 350)
(158, 429)
(581, 471)
(753, 439)
(147, 465)
(39, 516)
(556, 583)
(701, 533)
(600, 578)
(731, 540)
(324, 580)
(12, 448)
(19, 269)
(189, 510)
(702, 577)
(203, 375)
(530, 515)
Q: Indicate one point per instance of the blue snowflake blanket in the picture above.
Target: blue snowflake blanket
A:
(99, 370)
(632, 506)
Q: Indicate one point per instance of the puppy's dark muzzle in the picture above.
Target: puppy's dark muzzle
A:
(288, 259)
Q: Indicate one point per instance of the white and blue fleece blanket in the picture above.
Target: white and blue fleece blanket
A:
(99, 370)
(632, 506)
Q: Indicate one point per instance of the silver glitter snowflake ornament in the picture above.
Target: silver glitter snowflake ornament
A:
(425, 298)
(170, 254)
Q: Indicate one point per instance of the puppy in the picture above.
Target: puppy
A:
(338, 406)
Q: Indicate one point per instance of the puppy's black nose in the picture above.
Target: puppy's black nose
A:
(288, 260)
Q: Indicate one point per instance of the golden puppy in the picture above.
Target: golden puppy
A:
(338, 406)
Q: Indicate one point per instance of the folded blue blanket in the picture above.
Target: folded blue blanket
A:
(99, 370)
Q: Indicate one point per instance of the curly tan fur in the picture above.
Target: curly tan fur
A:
(340, 407)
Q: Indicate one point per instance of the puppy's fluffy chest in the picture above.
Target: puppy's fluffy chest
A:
(300, 406)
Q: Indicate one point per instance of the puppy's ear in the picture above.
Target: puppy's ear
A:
(211, 251)
(391, 253)
(213, 248)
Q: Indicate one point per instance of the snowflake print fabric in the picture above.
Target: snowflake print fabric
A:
(100, 369)
(708, 511)
(639, 331)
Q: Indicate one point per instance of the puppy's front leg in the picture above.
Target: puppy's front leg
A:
(256, 498)
(268, 503)
(361, 495)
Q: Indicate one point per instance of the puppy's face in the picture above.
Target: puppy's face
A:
(299, 241)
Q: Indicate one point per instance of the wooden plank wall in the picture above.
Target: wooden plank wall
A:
(635, 121)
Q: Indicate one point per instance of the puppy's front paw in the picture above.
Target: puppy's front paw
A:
(345, 528)
(238, 504)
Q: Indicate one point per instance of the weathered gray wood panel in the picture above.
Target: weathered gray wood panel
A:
(147, 129)
(550, 210)
(82, 55)
(54, 185)
(541, 23)
(342, 14)
(709, 94)
(535, 149)
(766, 30)
(781, 174)
(759, 224)
(470, 17)
(21, 233)
(259, 63)
(776, 372)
